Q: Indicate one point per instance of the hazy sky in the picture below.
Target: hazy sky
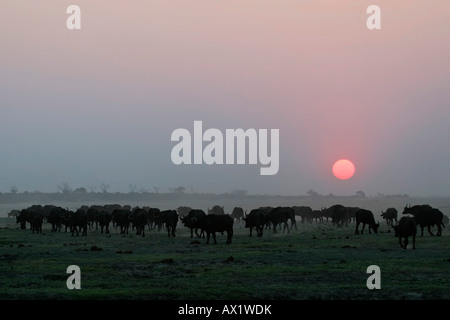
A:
(98, 105)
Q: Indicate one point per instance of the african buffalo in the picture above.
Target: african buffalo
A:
(267, 221)
(55, 218)
(365, 217)
(153, 218)
(138, 218)
(216, 210)
(255, 219)
(352, 213)
(78, 221)
(104, 218)
(390, 215)
(426, 216)
(218, 223)
(280, 215)
(317, 214)
(170, 218)
(183, 211)
(304, 212)
(36, 223)
(13, 213)
(405, 228)
(237, 214)
(92, 214)
(22, 218)
(338, 213)
(36, 219)
(32, 215)
(194, 221)
(121, 218)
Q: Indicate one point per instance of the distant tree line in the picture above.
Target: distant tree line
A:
(104, 188)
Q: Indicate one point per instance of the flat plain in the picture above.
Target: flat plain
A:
(314, 261)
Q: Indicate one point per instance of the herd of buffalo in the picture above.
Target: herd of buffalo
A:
(200, 222)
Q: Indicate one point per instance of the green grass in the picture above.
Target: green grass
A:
(317, 261)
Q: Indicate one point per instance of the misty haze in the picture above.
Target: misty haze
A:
(65, 117)
(94, 173)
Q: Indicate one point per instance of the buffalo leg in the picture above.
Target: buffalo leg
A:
(259, 231)
(228, 238)
(286, 225)
(405, 243)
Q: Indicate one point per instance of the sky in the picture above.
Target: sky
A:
(99, 105)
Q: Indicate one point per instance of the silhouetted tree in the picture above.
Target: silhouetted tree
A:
(104, 187)
(179, 189)
(312, 193)
(65, 188)
(361, 194)
(80, 190)
(239, 192)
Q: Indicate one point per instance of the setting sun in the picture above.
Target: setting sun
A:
(343, 169)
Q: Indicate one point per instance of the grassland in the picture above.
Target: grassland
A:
(316, 261)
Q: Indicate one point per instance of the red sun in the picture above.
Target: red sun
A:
(343, 169)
